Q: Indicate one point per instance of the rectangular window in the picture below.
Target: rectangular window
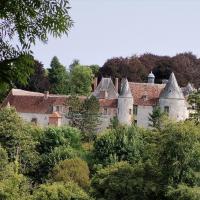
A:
(34, 120)
(130, 111)
(57, 108)
(135, 109)
(105, 111)
(135, 122)
(166, 109)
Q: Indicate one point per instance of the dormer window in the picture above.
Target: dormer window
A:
(58, 108)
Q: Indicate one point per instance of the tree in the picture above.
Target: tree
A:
(84, 115)
(38, 81)
(74, 169)
(17, 139)
(30, 21)
(81, 78)
(179, 154)
(60, 191)
(58, 77)
(122, 181)
(183, 192)
(122, 144)
(156, 118)
(194, 99)
(13, 185)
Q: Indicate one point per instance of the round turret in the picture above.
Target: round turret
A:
(125, 104)
(172, 100)
(151, 78)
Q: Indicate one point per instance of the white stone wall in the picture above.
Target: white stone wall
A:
(42, 119)
(177, 108)
(142, 116)
(124, 104)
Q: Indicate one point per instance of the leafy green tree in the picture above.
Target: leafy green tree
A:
(74, 169)
(56, 144)
(74, 63)
(81, 78)
(17, 139)
(194, 99)
(38, 81)
(13, 185)
(179, 152)
(53, 137)
(58, 77)
(122, 181)
(183, 192)
(95, 69)
(84, 115)
(28, 21)
(156, 118)
(60, 191)
(122, 144)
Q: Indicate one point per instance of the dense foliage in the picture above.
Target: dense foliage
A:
(123, 163)
(28, 21)
(186, 66)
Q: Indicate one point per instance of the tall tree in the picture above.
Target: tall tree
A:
(28, 20)
(81, 80)
(38, 81)
(58, 77)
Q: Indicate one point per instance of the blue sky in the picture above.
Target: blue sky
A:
(110, 28)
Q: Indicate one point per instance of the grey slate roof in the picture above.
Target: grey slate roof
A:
(125, 89)
(188, 89)
(106, 85)
(172, 90)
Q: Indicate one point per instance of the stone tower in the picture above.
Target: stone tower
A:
(125, 104)
(172, 100)
(151, 78)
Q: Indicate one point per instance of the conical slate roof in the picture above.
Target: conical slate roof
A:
(125, 89)
(172, 90)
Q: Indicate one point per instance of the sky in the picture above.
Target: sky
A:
(111, 28)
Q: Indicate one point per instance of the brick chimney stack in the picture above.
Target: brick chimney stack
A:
(117, 84)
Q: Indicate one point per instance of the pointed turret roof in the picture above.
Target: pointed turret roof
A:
(172, 89)
(125, 89)
(106, 85)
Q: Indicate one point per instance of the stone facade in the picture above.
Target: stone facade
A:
(131, 104)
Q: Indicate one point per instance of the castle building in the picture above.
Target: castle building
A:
(131, 103)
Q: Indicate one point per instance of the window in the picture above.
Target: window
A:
(166, 109)
(135, 122)
(34, 120)
(130, 111)
(105, 111)
(57, 108)
(135, 109)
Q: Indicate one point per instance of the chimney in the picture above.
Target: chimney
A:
(95, 82)
(46, 95)
(117, 84)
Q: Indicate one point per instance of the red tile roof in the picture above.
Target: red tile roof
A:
(109, 103)
(146, 94)
(33, 102)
